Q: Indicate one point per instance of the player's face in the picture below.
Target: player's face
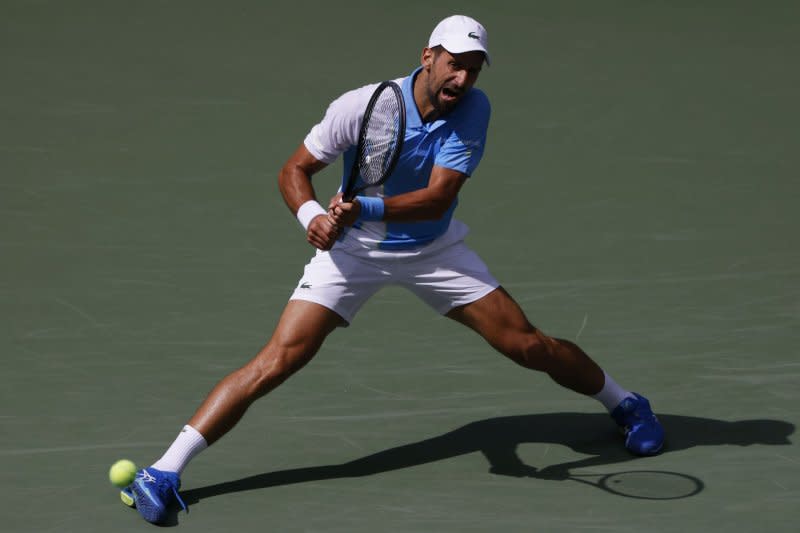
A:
(450, 76)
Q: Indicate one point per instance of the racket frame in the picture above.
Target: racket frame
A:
(350, 191)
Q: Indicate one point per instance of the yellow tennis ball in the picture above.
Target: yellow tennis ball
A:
(122, 473)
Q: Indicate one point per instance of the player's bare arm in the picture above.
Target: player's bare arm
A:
(294, 182)
(430, 203)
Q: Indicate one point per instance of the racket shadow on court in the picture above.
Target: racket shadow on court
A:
(613, 469)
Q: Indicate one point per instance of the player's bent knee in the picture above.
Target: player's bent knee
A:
(269, 372)
(534, 350)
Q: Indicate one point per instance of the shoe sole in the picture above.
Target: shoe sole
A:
(127, 499)
(639, 453)
(151, 510)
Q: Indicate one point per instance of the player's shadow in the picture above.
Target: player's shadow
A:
(592, 435)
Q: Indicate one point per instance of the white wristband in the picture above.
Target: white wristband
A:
(308, 212)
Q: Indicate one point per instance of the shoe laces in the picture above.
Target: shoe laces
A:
(636, 411)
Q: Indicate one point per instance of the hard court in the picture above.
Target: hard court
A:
(638, 196)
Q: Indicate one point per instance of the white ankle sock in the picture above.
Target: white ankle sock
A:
(612, 394)
(188, 444)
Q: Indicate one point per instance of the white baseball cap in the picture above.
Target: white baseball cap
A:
(458, 34)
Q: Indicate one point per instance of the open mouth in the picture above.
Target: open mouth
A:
(450, 95)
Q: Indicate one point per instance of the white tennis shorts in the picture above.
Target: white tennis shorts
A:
(444, 276)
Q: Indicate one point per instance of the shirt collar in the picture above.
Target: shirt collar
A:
(413, 119)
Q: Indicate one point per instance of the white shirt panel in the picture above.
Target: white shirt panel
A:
(338, 130)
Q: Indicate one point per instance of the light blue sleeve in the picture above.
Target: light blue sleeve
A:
(463, 148)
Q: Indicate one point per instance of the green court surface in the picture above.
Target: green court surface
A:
(638, 196)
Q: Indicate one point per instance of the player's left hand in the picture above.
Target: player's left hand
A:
(343, 213)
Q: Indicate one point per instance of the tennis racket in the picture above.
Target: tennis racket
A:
(380, 140)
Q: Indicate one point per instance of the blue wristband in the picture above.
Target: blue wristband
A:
(371, 208)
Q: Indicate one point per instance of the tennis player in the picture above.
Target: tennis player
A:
(402, 233)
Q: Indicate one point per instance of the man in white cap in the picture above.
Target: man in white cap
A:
(402, 233)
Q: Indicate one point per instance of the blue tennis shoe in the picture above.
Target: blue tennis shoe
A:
(153, 492)
(643, 432)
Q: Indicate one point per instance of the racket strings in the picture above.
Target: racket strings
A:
(381, 139)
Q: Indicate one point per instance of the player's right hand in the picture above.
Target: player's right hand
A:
(322, 232)
(342, 213)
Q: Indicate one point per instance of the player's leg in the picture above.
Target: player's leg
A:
(302, 328)
(500, 320)
(324, 299)
(457, 283)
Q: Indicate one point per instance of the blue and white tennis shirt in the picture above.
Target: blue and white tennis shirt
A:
(455, 141)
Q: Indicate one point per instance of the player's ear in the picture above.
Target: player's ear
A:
(427, 58)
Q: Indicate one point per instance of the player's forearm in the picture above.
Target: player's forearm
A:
(416, 206)
(409, 207)
(430, 203)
